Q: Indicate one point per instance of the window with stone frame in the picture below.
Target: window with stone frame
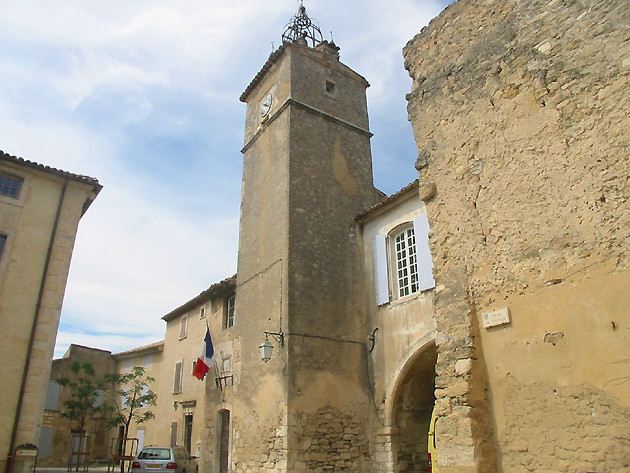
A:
(10, 185)
(402, 261)
(229, 311)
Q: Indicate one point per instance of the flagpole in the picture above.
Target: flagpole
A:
(216, 369)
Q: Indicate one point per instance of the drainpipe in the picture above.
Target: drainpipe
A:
(38, 306)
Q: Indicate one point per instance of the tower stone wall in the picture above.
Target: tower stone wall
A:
(307, 174)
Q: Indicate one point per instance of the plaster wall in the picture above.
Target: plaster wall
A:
(257, 402)
(404, 336)
(151, 358)
(404, 324)
(28, 223)
(254, 397)
(519, 112)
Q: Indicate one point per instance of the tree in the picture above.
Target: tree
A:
(83, 391)
(132, 397)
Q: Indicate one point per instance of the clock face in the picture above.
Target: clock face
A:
(266, 105)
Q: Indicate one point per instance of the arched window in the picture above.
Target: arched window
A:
(402, 261)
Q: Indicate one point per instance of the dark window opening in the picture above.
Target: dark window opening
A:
(229, 311)
(3, 240)
(330, 87)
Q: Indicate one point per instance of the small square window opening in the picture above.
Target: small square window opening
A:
(10, 185)
(330, 87)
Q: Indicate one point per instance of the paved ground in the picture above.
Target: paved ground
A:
(92, 469)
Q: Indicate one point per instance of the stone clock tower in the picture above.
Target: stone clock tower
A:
(307, 173)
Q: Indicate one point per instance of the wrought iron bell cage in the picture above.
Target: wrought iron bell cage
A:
(300, 29)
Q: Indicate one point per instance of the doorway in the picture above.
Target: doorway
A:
(188, 425)
(121, 439)
(224, 440)
(413, 404)
(140, 434)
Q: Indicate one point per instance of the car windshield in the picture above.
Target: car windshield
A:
(155, 454)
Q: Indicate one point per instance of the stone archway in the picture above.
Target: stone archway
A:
(411, 412)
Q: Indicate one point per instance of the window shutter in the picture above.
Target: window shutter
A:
(425, 261)
(381, 280)
(99, 400)
(45, 441)
(173, 434)
(177, 382)
(183, 326)
(52, 396)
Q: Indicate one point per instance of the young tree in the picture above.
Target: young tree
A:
(133, 396)
(82, 388)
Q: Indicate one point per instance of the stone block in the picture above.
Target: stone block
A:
(317, 456)
(463, 367)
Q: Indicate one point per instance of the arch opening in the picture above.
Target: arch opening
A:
(413, 404)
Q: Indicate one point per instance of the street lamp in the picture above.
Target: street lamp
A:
(266, 347)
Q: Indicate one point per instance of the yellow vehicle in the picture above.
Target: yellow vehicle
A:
(432, 450)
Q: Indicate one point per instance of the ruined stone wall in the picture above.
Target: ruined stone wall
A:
(519, 111)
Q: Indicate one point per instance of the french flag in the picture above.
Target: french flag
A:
(206, 358)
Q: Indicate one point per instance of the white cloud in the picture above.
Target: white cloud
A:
(144, 96)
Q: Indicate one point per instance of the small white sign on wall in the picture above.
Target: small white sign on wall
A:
(496, 317)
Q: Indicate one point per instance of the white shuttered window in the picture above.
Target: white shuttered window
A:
(405, 260)
(410, 268)
(381, 277)
(425, 261)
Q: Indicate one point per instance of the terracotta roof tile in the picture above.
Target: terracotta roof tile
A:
(157, 346)
(413, 186)
(58, 172)
(213, 290)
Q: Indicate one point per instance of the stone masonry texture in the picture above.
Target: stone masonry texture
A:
(520, 115)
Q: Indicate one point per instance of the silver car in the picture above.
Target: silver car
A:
(164, 460)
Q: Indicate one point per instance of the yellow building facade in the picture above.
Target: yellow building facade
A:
(40, 209)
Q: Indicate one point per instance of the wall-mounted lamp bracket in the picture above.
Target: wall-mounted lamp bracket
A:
(372, 339)
(277, 336)
(266, 348)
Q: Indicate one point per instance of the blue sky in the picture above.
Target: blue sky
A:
(144, 97)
